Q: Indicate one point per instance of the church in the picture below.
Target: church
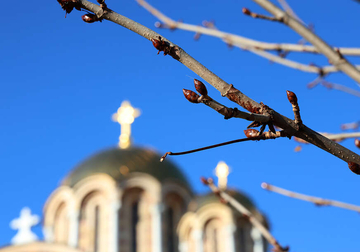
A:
(124, 199)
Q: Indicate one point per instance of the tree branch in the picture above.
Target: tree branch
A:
(334, 57)
(243, 210)
(316, 200)
(289, 126)
(240, 39)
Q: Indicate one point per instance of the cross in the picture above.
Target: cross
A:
(125, 116)
(23, 225)
(222, 172)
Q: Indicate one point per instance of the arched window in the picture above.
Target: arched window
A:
(131, 221)
(134, 225)
(243, 239)
(90, 235)
(211, 235)
(61, 224)
(174, 209)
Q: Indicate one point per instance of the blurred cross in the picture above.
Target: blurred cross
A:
(125, 116)
(222, 172)
(23, 225)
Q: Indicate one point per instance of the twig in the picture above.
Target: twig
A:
(240, 39)
(294, 102)
(353, 126)
(339, 87)
(243, 210)
(334, 57)
(251, 135)
(246, 11)
(289, 10)
(225, 111)
(289, 126)
(317, 201)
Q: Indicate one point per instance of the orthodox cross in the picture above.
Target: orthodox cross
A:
(222, 172)
(125, 116)
(23, 225)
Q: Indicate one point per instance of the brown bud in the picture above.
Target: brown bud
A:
(200, 87)
(357, 143)
(204, 181)
(89, 18)
(354, 167)
(191, 96)
(246, 11)
(292, 97)
(251, 133)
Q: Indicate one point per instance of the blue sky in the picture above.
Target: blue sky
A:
(61, 80)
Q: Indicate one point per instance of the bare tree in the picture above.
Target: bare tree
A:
(259, 114)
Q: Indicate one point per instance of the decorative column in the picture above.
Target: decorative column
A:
(229, 236)
(156, 227)
(197, 236)
(258, 241)
(114, 224)
(183, 246)
(74, 228)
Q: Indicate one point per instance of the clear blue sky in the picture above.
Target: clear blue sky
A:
(61, 79)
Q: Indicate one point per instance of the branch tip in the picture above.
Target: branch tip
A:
(264, 185)
(354, 167)
(200, 87)
(357, 143)
(191, 96)
(165, 155)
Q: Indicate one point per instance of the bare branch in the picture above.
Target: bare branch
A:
(317, 201)
(240, 39)
(334, 57)
(243, 210)
(289, 126)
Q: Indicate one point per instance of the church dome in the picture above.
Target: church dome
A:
(120, 163)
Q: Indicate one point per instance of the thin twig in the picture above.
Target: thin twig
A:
(243, 210)
(316, 200)
(334, 56)
(289, 10)
(255, 137)
(246, 11)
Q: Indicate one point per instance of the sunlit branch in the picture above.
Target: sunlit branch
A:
(316, 200)
(243, 210)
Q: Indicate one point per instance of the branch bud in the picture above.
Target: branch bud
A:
(200, 87)
(354, 167)
(90, 18)
(357, 143)
(251, 133)
(191, 96)
(246, 11)
(292, 97)
(204, 181)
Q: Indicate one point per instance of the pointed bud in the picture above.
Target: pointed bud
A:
(200, 87)
(89, 18)
(246, 11)
(292, 97)
(251, 133)
(157, 44)
(357, 143)
(191, 96)
(204, 180)
(354, 167)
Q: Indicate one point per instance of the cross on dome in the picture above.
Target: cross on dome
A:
(23, 225)
(222, 172)
(125, 116)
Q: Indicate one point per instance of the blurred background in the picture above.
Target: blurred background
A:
(62, 79)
